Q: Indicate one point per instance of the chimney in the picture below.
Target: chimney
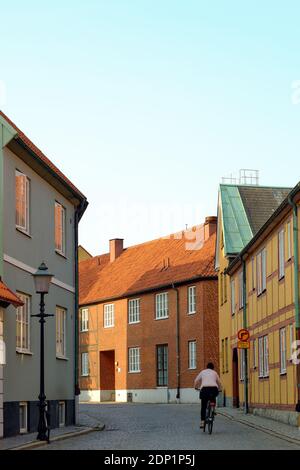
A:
(115, 248)
(210, 226)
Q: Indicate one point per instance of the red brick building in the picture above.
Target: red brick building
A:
(149, 318)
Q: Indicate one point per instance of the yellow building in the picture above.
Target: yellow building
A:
(257, 245)
(83, 254)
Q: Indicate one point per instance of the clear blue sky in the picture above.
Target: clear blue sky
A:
(146, 104)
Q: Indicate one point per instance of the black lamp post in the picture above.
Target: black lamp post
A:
(42, 280)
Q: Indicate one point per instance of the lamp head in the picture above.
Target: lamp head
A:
(42, 279)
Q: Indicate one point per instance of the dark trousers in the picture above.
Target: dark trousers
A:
(207, 394)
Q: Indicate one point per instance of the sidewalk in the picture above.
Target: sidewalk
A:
(276, 428)
(86, 424)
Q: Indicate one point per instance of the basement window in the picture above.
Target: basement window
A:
(23, 416)
(62, 413)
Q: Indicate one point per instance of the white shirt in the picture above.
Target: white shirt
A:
(207, 378)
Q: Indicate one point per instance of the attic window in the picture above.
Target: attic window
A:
(166, 264)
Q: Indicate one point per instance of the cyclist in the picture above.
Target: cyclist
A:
(209, 384)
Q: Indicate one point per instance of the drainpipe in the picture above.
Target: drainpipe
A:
(78, 214)
(177, 344)
(245, 325)
(296, 287)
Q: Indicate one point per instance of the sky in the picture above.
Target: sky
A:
(146, 104)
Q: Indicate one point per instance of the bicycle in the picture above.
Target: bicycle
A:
(210, 416)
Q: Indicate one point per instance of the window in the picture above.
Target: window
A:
(109, 315)
(85, 364)
(162, 365)
(252, 273)
(223, 356)
(62, 413)
(289, 241)
(22, 201)
(23, 324)
(281, 254)
(291, 328)
(60, 332)
(221, 289)
(60, 228)
(261, 270)
(242, 364)
(162, 310)
(134, 360)
(241, 291)
(134, 311)
(226, 355)
(225, 287)
(282, 349)
(192, 299)
(84, 319)
(263, 356)
(23, 417)
(192, 355)
(232, 288)
(254, 363)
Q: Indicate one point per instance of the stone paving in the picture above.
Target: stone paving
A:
(171, 427)
(85, 423)
(270, 425)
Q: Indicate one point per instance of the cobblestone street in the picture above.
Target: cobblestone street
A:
(165, 427)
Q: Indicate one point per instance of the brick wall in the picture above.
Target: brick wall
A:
(201, 327)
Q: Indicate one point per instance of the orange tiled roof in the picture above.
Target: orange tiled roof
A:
(141, 268)
(7, 296)
(41, 155)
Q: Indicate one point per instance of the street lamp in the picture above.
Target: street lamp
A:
(42, 279)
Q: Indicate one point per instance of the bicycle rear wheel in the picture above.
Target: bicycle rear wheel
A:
(211, 420)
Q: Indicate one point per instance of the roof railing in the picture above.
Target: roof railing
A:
(247, 177)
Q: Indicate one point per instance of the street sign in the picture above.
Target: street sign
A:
(243, 344)
(243, 335)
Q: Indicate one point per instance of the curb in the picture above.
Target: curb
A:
(62, 437)
(284, 437)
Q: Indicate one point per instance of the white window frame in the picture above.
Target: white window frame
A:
(291, 331)
(282, 350)
(232, 291)
(24, 405)
(161, 306)
(241, 291)
(62, 405)
(109, 316)
(263, 356)
(133, 311)
(254, 352)
(226, 355)
(261, 271)
(84, 321)
(223, 355)
(61, 332)
(85, 369)
(242, 365)
(134, 360)
(289, 240)
(192, 354)
(253, 273)
(281, 254)
(26, 203)
(23, 317)
(266, 356)
(61, 247)
(191, 300)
